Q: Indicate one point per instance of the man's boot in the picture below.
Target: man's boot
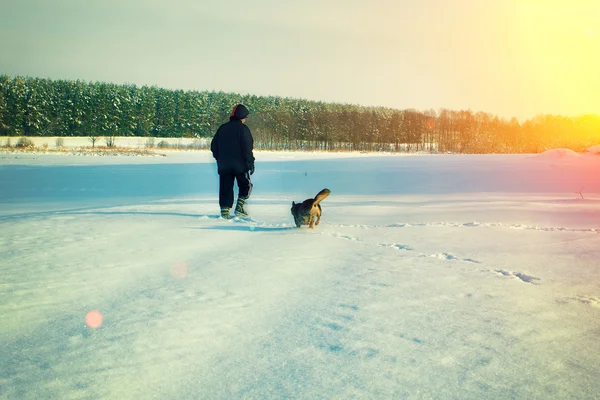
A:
(240, 211)
(225, 212)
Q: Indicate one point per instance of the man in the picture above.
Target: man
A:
(232, 147)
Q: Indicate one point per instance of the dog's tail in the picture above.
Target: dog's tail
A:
(320, 196)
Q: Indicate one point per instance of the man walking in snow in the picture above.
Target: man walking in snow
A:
(232, 147)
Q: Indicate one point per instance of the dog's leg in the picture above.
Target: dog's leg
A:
(318, 214)
(311, 222)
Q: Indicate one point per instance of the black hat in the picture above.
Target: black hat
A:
(239, 112)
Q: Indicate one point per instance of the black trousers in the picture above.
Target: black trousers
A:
(226, 187)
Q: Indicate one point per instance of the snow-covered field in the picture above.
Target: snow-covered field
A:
(430, 277)
(53, 142)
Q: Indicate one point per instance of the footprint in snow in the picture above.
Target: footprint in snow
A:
(337, 235)
(587, 300)
(396, 246)
(450, 257)
(519, 275)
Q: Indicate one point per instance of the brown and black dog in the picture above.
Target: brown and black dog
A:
(304, 213)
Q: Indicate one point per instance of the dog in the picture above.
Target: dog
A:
(305, 213)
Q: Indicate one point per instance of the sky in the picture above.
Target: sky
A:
(506, 57)
(429, 277)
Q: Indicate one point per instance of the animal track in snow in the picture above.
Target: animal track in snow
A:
(365, 353)
(396, 246)
(335, 326)
(532, 280)
(339, 235)
(450, 257)
(519, 275)
(413, 339)
(474, 224)
(588, 300)
(441, 256)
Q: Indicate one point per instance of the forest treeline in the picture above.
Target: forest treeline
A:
(44, 107)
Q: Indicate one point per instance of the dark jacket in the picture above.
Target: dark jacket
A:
(232, 147)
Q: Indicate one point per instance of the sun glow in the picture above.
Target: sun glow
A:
(559, 45)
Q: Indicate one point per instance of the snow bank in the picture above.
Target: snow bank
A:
(557, 154)
(54, 142)
(594, 149)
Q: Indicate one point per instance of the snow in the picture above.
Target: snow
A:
(430, 276)
(594, 149)
(54, 142)
(557, 154)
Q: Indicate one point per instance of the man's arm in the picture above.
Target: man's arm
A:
(214, 145)
(248, 146)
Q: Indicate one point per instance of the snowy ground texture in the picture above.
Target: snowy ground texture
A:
(430, 277)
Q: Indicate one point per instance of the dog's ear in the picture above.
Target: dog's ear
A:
(293, 203)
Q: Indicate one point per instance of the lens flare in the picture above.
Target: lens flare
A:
(179, 270)
(93, 319)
